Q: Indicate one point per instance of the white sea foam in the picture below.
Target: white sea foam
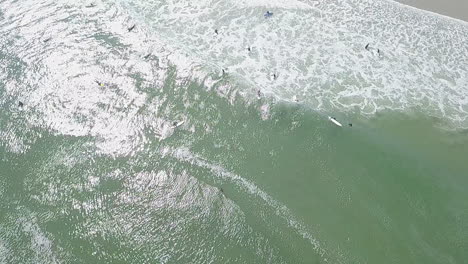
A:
(317, 47)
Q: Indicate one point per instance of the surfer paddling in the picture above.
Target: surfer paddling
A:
(131, 28)
(334, 121)
(176, 124)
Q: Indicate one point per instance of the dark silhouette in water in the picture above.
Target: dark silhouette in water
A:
(20, 104)
(275, 76)
(367, 46)
(259, 94)
(99, 83)
(47, 39)
(216, 31)
(249, 49)
(91, 5)
(350, 124)
(268, 14)
(147, 56)
(131, 28)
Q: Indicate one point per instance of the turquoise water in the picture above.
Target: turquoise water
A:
(170, 161)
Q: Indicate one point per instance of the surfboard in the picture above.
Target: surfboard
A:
(180, 123)
(334, 121)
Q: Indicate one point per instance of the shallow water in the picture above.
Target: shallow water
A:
(93, 169)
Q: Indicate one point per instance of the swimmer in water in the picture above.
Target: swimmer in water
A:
(91, 5)
(20, 104)
(350, 124)
(99, 83)
(259, 94)
(216, 31)
(367, 46)
(131, 28)
(249, 49)
(275, 76)
(268, 14)
(147, 56)
(47, 39)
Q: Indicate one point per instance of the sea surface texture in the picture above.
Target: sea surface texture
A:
(183, 131)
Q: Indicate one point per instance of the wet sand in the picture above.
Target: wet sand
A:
(452, 8)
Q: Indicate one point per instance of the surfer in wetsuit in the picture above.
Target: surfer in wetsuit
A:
(131, 28)
(268, 14)
(20, 104)
(216, 31)
(367, 46)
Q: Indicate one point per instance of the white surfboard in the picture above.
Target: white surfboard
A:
(179, 123)
(334, 121)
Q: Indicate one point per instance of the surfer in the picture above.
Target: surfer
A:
(350, 124)
(249, 49)
(334, 121)
(20, 104)
(367, 46)
(275, 76)
(91, 5)
(147, 56)
(131, 28)
(268, 14)
(99, 83)
(47, 39)
(216, 31)
(176, 124)
(378, 52)
(224, 71)
(259, 94)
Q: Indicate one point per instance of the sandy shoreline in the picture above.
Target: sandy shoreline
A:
(452, 8)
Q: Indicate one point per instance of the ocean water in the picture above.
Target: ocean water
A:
(131, 145)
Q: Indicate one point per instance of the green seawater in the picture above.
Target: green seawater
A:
(388, 190)
(111, 174)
